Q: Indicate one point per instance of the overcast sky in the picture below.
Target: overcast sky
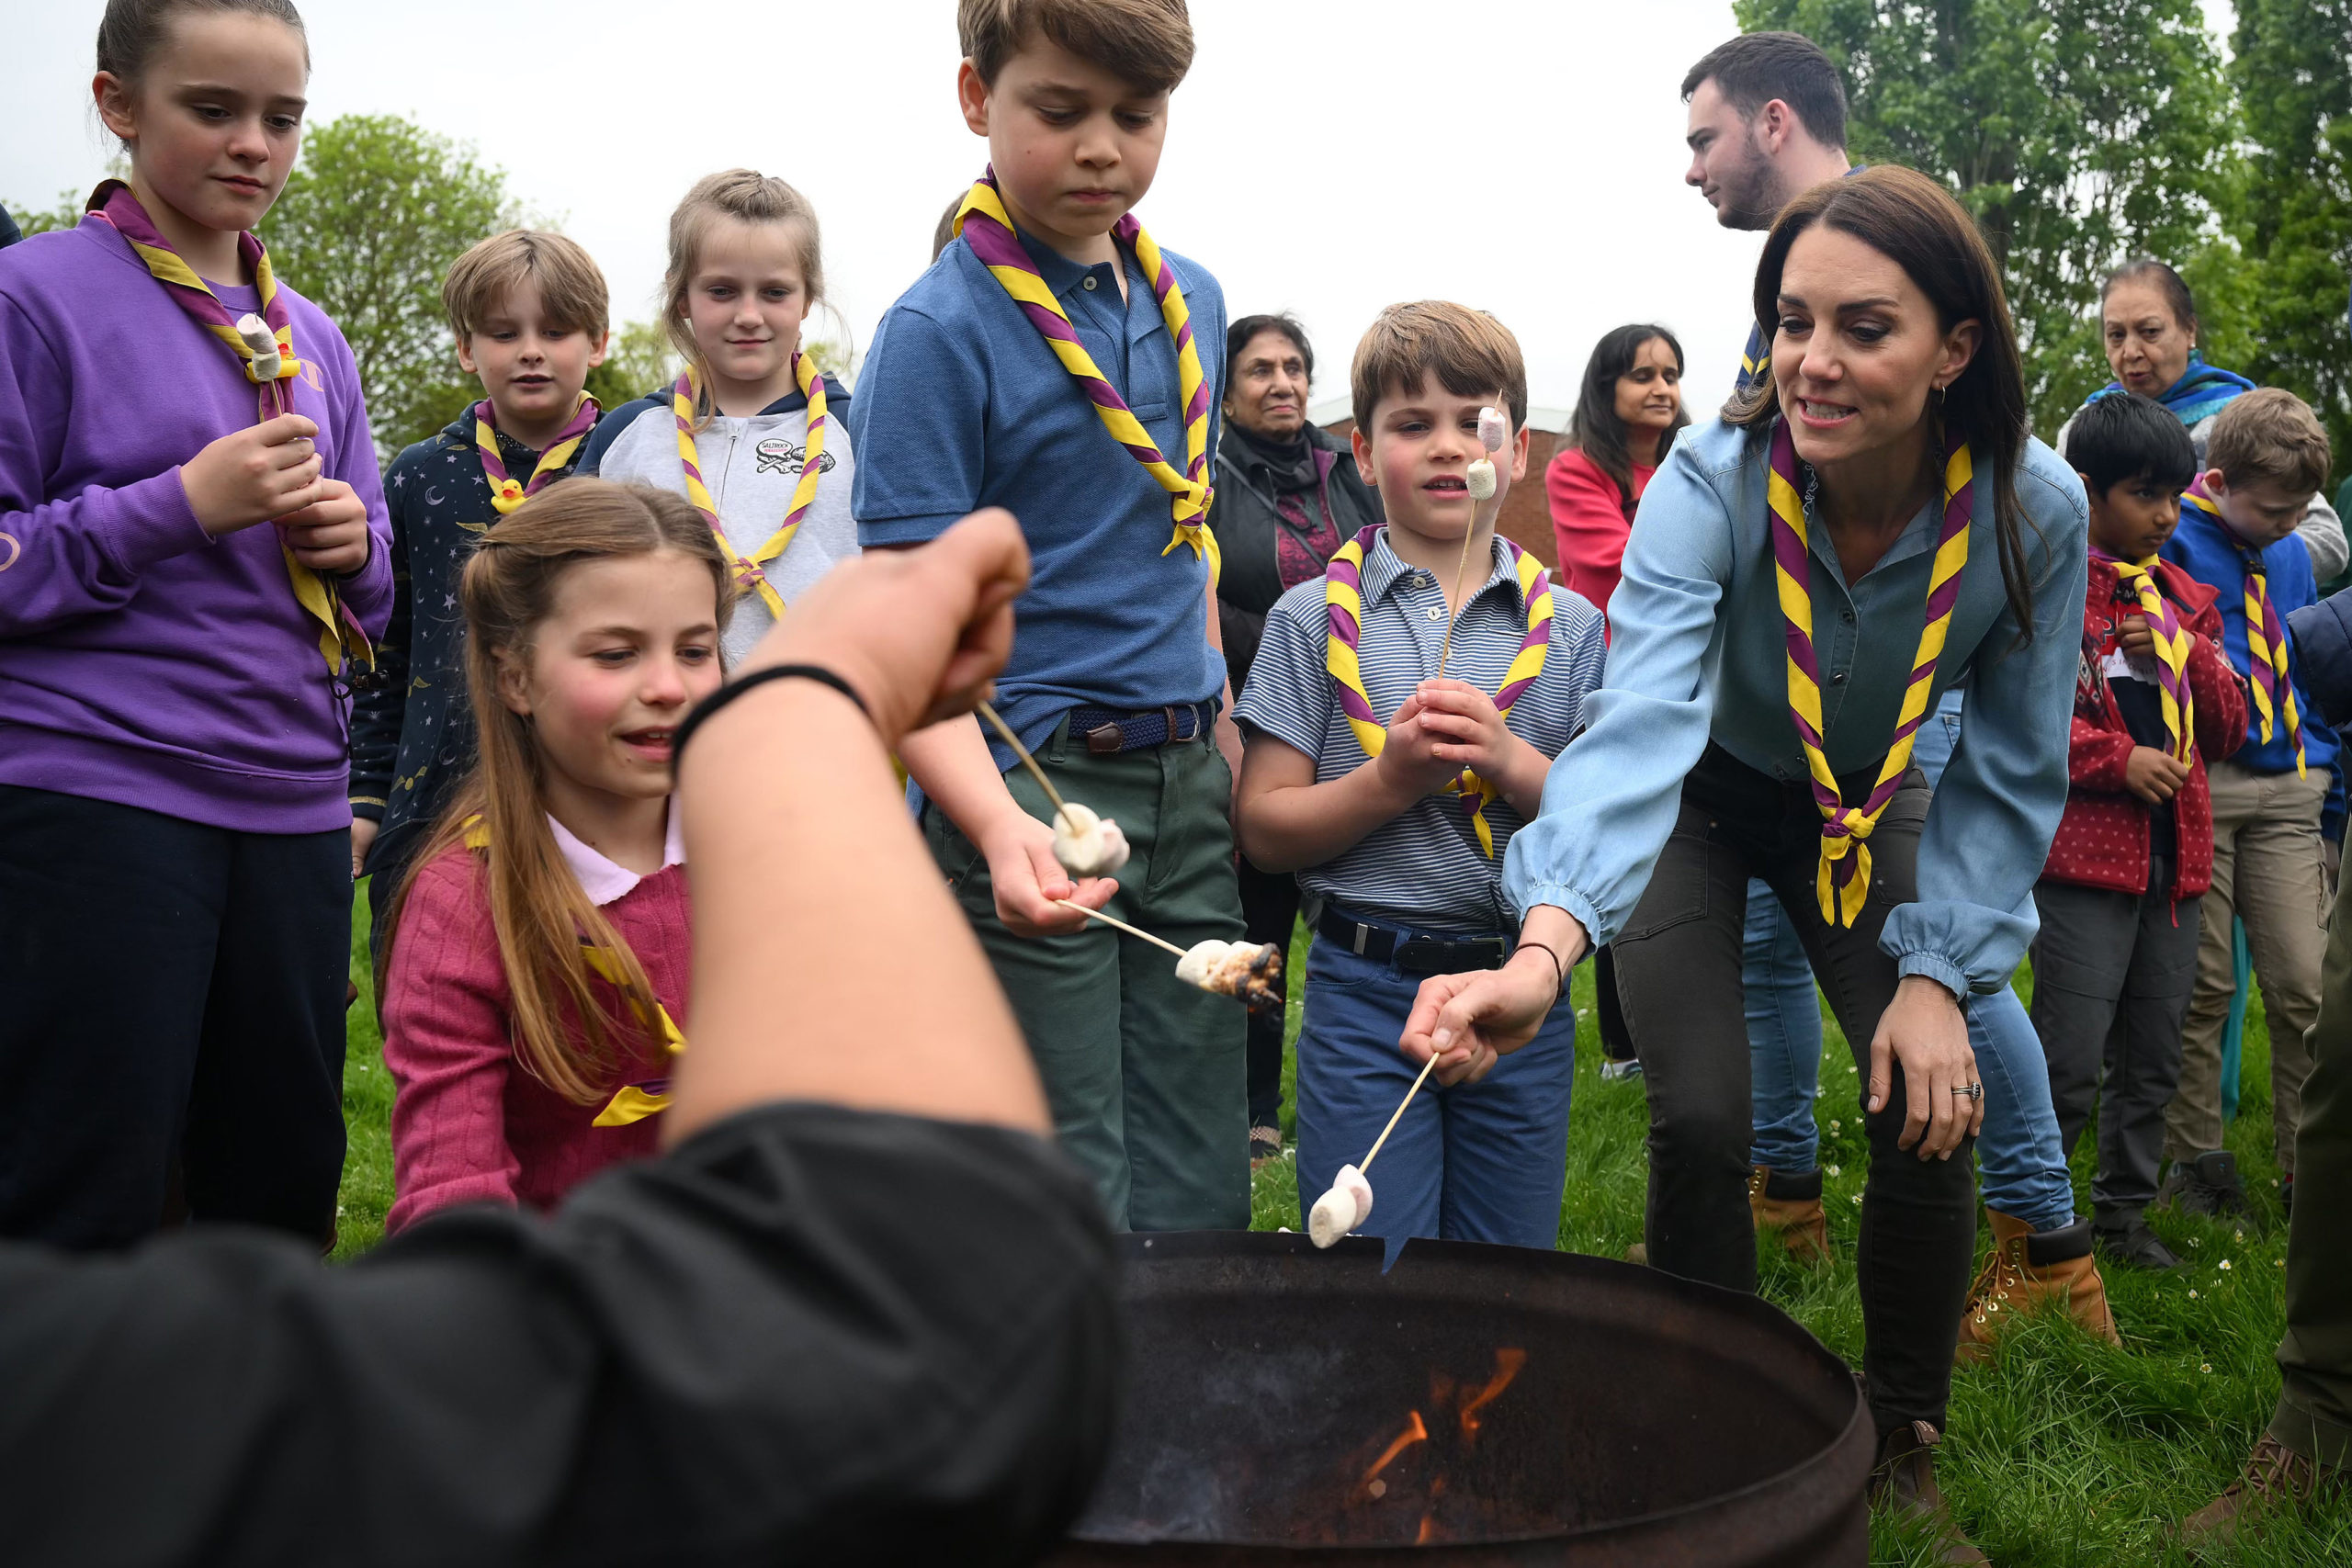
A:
(1326, 157)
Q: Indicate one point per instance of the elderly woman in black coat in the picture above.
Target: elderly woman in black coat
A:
(1288, 497)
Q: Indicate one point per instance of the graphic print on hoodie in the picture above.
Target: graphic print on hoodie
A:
(751, 466)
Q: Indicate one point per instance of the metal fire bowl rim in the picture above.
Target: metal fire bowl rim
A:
(1155, 1247)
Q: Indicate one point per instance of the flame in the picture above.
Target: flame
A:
(1429, 1531)
(1508, 1363)
(1413, 1432)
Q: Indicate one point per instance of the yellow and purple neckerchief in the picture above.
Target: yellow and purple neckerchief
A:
(630, 1102)
(987, 226)
(340, 638)
(2173, 643)
(1843, 881)
(2265, 639)
(750, 570)
(506, 492)
(1342, 656)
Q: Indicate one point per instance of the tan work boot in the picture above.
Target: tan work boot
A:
(2276, 1478)
(1903, 1484)
(1791, 1203)
(2025, 1269)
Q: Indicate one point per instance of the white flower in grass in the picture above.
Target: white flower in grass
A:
(1835, 1125)
(2225, 1263)
(2204, 1366)
(1858, 1200)
(2192, 1293)
(1831, 1169)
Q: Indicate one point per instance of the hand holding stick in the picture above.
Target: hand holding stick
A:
(1086, 844)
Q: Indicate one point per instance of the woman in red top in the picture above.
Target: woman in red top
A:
(1626, 417)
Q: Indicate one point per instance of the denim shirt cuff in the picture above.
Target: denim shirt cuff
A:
(1942, 970)
(1560, 895)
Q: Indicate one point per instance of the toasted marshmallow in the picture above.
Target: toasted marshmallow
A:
(1201, 962)
(1346, 1206)
(1088, 845)
(1480, 476)
(1494, 429)
(264, 343)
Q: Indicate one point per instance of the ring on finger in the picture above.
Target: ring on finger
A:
(1969, 1091)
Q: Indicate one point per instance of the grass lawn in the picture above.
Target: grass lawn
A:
(2066, 1453)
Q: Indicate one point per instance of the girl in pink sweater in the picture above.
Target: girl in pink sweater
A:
(536, 982)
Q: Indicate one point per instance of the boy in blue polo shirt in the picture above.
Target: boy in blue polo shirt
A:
(2267, 452)
(1392, 787)
(1055, 362)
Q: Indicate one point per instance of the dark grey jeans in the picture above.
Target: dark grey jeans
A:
(1678, 980)
(2112, 973)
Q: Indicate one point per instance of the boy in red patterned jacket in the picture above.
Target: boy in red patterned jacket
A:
(2156, 697)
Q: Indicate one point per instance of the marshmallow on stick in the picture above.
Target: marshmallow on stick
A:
(1086, 844)
(1347, 1205)
(264, 343)
(1251, 973)
(1494, 429)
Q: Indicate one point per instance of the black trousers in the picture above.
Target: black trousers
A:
(1678, 980)
(1268, 910)
(2112, 973)
(1616, 1040)
(171, 989)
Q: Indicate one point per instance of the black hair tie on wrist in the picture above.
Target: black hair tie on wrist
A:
(734, 689)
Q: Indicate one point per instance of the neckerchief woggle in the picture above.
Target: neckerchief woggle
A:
(340, 638)
(987, 226)
(507, 492)
(750, 571)
(1342, 656)
(1843, 881)
(2173, 643)
(631, 1102)
(2272, 682)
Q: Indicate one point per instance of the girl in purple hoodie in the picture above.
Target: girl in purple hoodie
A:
(192, 561)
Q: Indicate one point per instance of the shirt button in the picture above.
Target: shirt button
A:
(1838, 679)
(1088, 285)
(1846, 616)
(1436, 613)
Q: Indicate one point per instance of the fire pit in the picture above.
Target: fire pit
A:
(1475, 1404)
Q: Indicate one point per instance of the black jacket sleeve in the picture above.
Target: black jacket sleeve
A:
(810, 1335)
(2323, 634)
(377, 713)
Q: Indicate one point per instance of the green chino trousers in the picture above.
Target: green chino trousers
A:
(1146, 1074)
(2314, 1415)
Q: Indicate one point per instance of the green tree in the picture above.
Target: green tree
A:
(2293, 67)
(2077, 131)
(638, 360)
(372, 217)
(64, 215)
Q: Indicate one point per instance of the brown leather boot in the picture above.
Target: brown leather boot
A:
(1903, 1485)
(1791, 1203)
(2276, 1477)
(2025, 1269)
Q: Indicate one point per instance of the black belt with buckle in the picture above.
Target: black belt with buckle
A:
(1107, 731)
(1413, 954)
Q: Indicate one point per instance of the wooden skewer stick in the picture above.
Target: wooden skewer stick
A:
(1061, 806)
(1114, 920)
(1400, 1111)
(1453, 611)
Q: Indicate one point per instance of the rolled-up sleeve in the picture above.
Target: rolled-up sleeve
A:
(1612, 798)
(1998, 804)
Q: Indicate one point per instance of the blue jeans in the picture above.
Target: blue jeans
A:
(2024, 1169)
(1476, 1162)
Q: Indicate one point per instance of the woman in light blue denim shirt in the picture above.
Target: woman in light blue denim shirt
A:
(1889, 330)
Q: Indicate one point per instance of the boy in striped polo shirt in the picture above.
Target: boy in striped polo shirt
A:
(1400, 719)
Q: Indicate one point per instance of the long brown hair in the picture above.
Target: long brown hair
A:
(753, 197)
(542, 916)
(1914, 221)
(1595, 428)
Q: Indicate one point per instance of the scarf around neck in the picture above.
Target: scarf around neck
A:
(342, 640)
(985, 225)
(2202, 390)
(2269, 675)
(2172, 649)
(507, 492)
(1290, 464)
(750, 571)
(1843, 880)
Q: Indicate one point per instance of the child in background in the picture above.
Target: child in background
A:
(1401, 832)
(541, 948)
(2155, 702)
(193, 544)
(752, 435)
(528, 310)
(2268, 453)
(1055, 361)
